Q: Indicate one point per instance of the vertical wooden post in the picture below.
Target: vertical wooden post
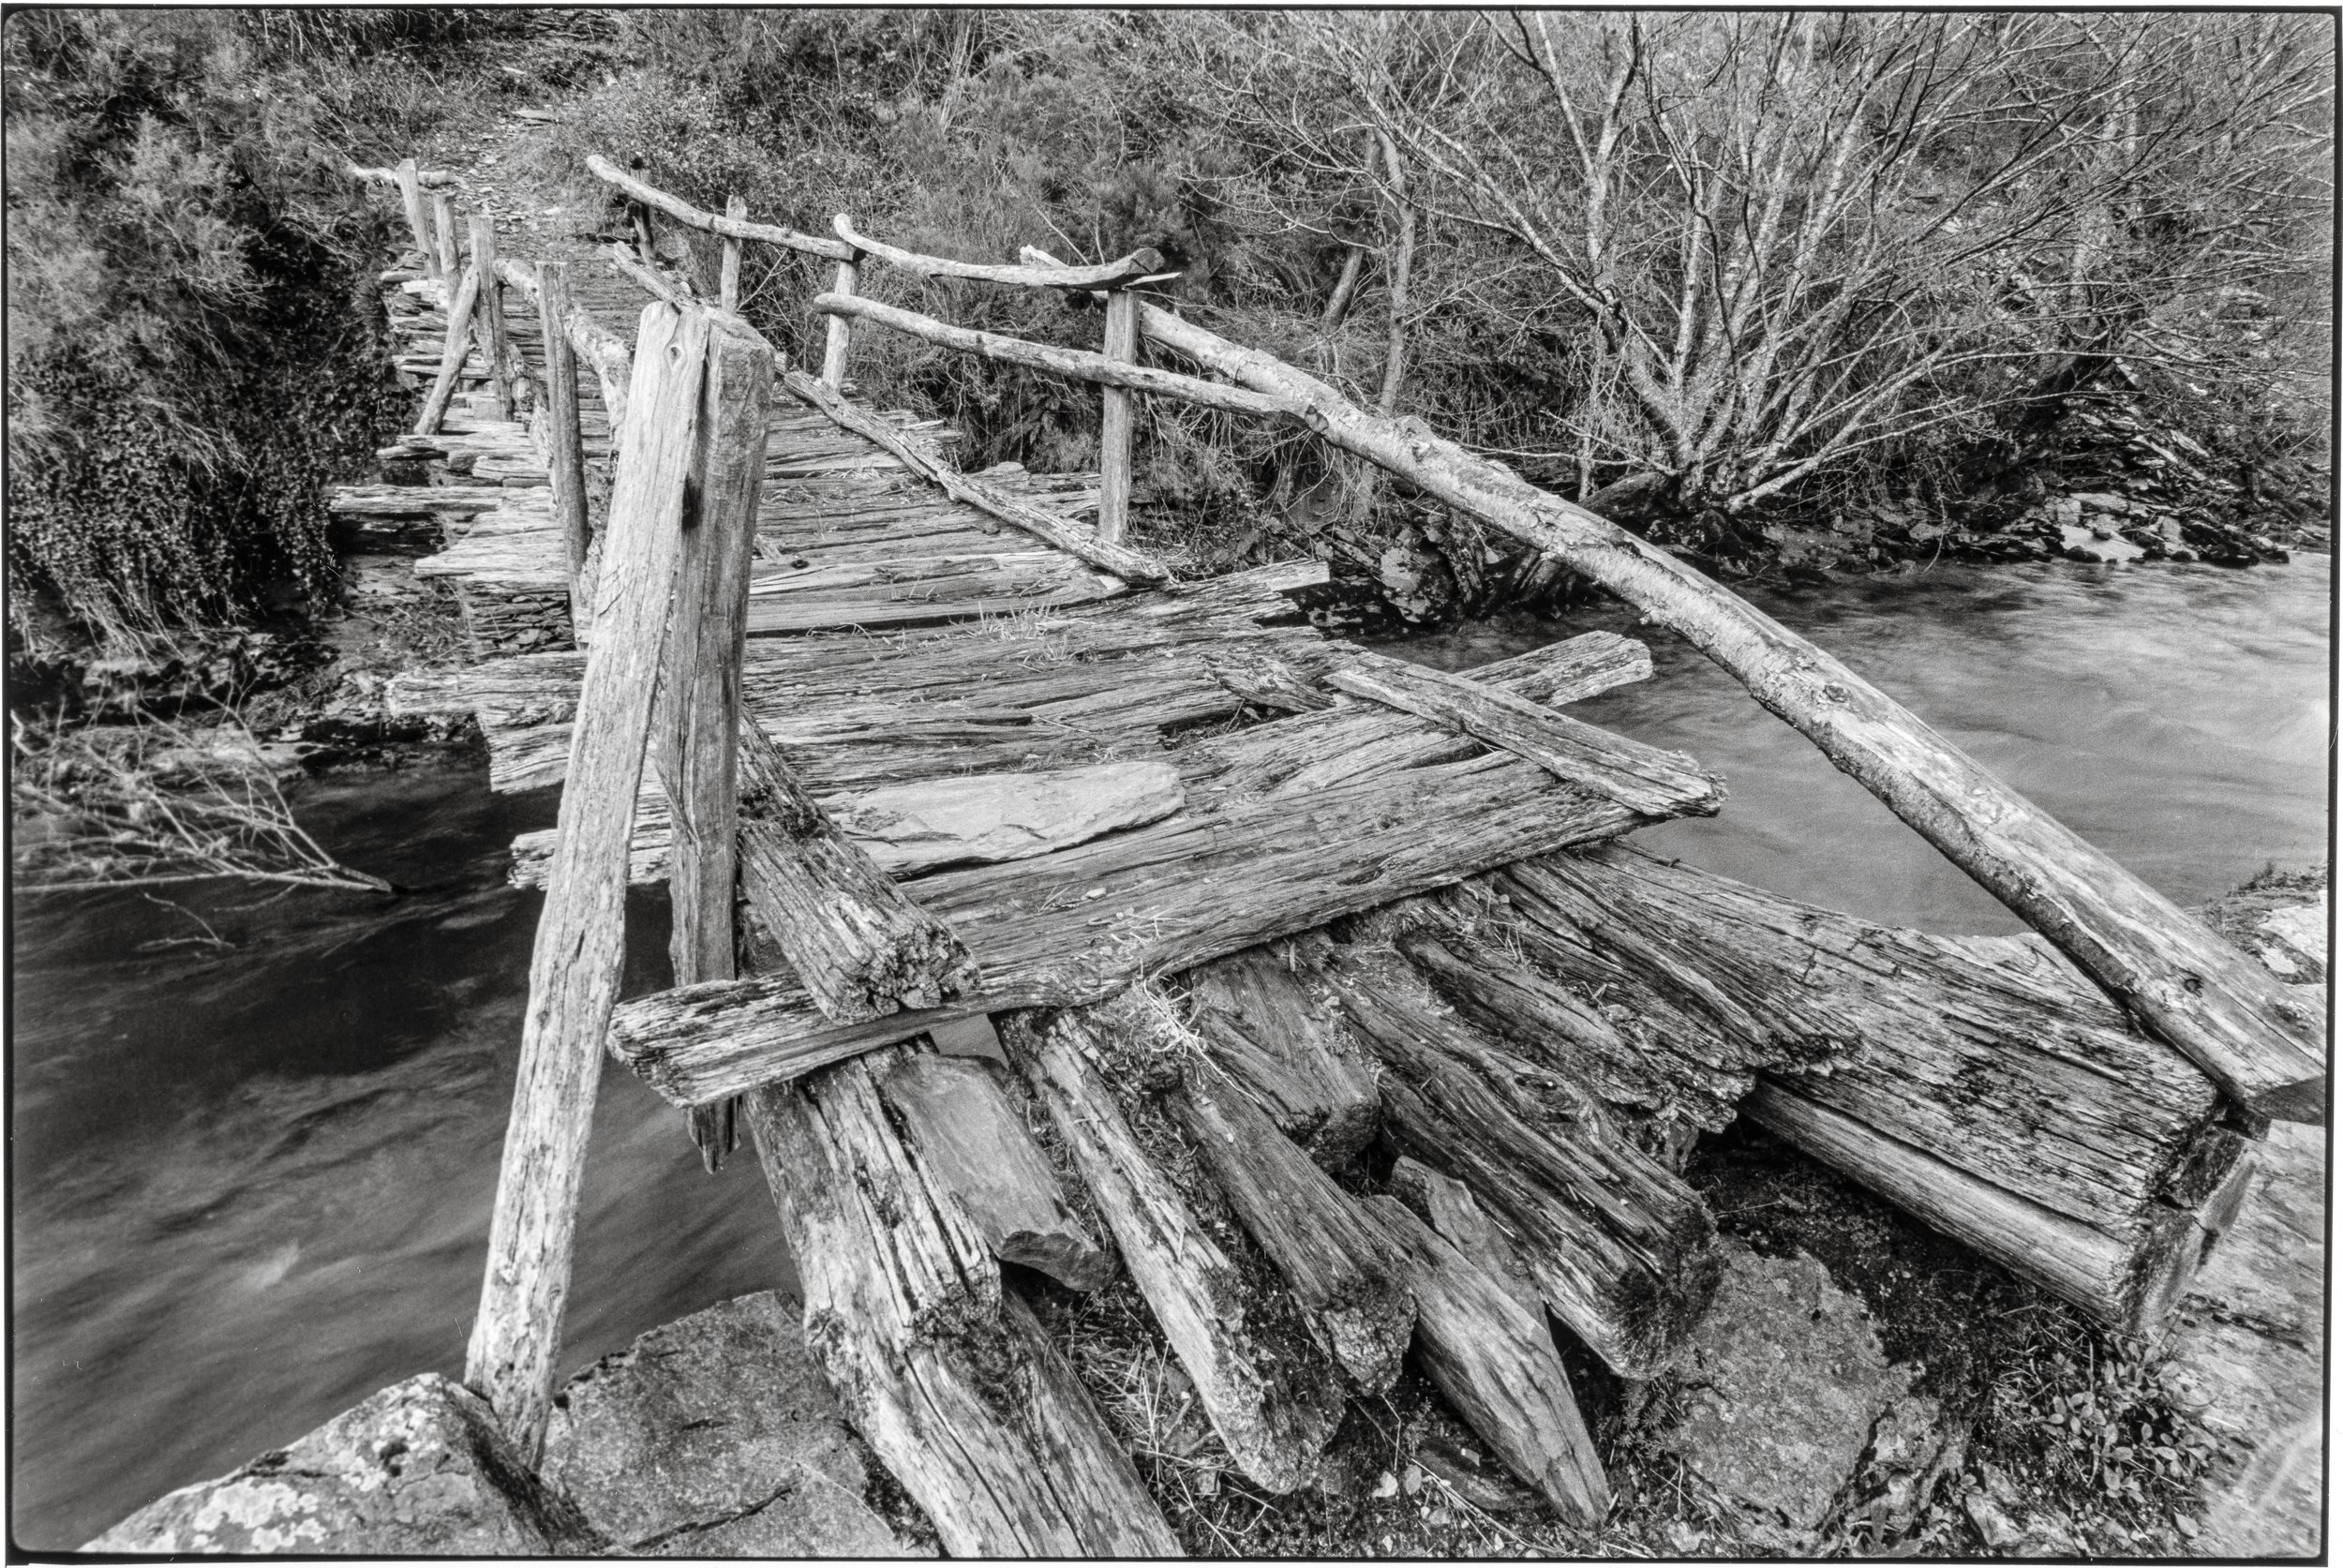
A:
(834, 349)
(699, 689)
(728, 284)
(581, 939)
(488, 322)
(1114, 419)
(645, 243)
(410, 196)
(564, 438)
(444, 232)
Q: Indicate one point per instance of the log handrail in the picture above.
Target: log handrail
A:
(1076, 363)
(1144, 265)
(693, 217)
(427, 177)
(613, 362)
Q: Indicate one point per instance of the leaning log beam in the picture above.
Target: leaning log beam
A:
(2220, 1008)
(1272, 1397)
(962, 1398)
(1339, 1265)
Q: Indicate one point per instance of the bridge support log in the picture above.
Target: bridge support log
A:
(1493, 1359)
(963, 1398)
(1339, 1265)
(1269, 1034)
(1267, 1388)
(580, 947)
(452, 356)
(2219, 1007)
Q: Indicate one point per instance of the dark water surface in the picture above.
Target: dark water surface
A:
(253, 1186)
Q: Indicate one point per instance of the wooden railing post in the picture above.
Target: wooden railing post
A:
(700, 686)
(1114, 419)
(488, 331)
(410, 198)
(564, 440)
(728, 284)
(841, 330)
(580, 949)
(443, 232)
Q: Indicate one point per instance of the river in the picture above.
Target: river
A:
(251, 1185)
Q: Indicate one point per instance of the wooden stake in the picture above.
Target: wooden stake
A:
(729, 288)
(564, 438)
(700, 681)
(410, 198)
(1115, 420)
(459, 311)
(645, 247)
(489, 323)
(841, 331)
(581, 938)
(444, 232)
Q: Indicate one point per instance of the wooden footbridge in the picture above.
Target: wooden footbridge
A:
(1050, 914)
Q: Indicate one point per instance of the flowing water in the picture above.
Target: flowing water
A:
(251, 1184)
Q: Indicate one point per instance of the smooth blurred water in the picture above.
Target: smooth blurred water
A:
(2176, 716)
(251, 1187)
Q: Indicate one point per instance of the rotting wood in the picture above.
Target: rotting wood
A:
(1138, 266)
(1990, 1053)
(700, 687)
(1115, 420)
(732, 228)
(957, 1115)
(564, 441)
(1096, 549)
(1288, 1050)
(858, 946)
(970, 1408)
(1494, 1360)
(1273, 1398)
(1451, 1209)
(452, 356)
(1642, 778)
(2222, 1010)
(1074, 364)
(989, 817)
(1079, 925)
(580, 945)
(1339, 1263)
(1622, 1248)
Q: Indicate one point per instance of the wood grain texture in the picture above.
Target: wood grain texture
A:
(1287, 1047)
(838, 336)
(728, 277)
(1339, 1265)
(580, 947)
(964, 1401)
(692, 217)
(1115, 420)
(603, 351)
(443, 232)
(1111, 275)
(564, 439)
(1273, 1398)
(487, 322)
(856, 944)
(1096, 549)
(410, 185)
(957, 1113)
(1494, 1360)
(2227, 1013)
(452, 354)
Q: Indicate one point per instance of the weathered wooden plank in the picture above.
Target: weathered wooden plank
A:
(968, 1405)
(956, 1113)
(859, 945)
(1271, 1398)
(1495, 1361)
(580, 947)
(1094, 548)
(991, 817)
(1339, 1265)
(1081, 924)
(2228, 1015)
(1643, 778)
